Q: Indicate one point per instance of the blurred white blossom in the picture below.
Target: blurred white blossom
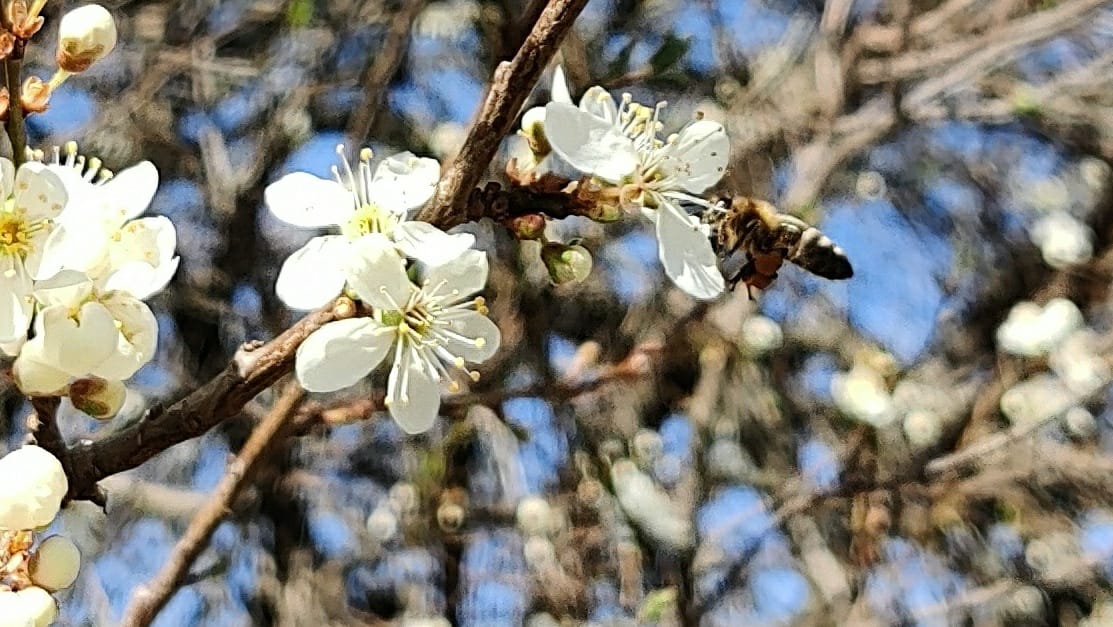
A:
(1036, 399)
(649, 507)
(1074, 361)
(761, 335)
(862, 395)
(1032, 331)
(1063, 239)
(922, 428)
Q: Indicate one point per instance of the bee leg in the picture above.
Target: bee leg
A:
(744, 274)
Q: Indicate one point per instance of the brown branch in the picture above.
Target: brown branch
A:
(510, 86)
(252, 370)
(387, 57)
(151, 597)
(43, 424)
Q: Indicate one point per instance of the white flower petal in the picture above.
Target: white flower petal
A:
(15, 301)
(136, 341)
(39, 192)
(341, 353)
(403, 182)
(599, 103)
(129, 193)
(75, 244)
(414, 400)
(428, 244)
(698, 157)
(77, 346)
(589, 143)
(68, 288)
(33, 376)
(377, 274)
(483, 334)
(140, 280)
(686, 253)
(7, 177)
(559, 91)
(141, 259)
(314, 274)
(464, 276)
(304, 200)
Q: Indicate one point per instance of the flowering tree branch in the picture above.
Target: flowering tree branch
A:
(510, 86)
(150, 598)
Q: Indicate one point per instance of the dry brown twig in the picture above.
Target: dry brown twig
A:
(152, 596)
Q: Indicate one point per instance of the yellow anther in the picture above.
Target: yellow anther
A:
(365, 154)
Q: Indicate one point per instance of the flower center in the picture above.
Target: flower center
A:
(17, 234)
(369, 218)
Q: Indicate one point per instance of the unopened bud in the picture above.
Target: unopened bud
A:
(603, 212)
(55, 563)
(99, 398)
(30, 606)
(85, 35)
(529, 226)
(566, 264)
(533, 129)
(34, 96)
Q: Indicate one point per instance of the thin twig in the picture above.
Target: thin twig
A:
(510, 86)
(14, 124)
(151, 597)
(387, 58)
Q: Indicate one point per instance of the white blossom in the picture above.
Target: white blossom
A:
(1033, 331)
(649, 506)
(428, 327)
(357, 203)
(1063, 239)
(33, 198)
(862, 395)
(619, 145)
(32, 485)
(100, 232)
(81, 331)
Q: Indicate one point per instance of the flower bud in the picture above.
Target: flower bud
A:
(32, 484)
(34, 96)
(55, 563)
(566, 264)
(100, 398)
(38, 607)
(529, 226)
(85, 35)
(603, 212)
(533, 129)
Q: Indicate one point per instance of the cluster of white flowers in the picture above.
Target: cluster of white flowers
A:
(619, 147)
(30, 496)
(77, 266)
(418, 280)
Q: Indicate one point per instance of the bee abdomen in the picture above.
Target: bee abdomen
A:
(818, 254)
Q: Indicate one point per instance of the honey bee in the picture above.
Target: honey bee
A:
(768, 239)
